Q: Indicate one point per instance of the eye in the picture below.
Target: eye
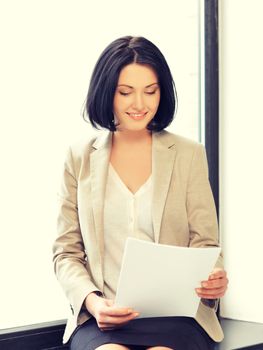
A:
(151, 92)
(124, 93)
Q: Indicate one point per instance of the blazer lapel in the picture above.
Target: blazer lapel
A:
(99, 162)
(163, 156)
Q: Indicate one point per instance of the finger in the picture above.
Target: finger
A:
(110, 326)
(212, 297)
(210, 293)
(106, 327)
(216, 287)
(115, 311)
(115, 320)
(217, 273)
(119, 320)
(215, 283)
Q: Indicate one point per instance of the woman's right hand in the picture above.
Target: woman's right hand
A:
(106, 314)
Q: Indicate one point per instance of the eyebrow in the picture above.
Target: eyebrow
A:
(132, 86)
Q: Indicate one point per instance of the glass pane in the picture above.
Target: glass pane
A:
(47, 58)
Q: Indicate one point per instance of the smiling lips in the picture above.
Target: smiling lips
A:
(137, 116)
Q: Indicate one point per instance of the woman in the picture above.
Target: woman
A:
(135, 179)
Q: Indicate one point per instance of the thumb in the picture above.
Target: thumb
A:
(217, 273)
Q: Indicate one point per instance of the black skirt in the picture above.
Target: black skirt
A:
(180, 333)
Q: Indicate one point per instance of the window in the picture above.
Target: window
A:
(47, 58)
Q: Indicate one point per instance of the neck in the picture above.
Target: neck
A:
(135, 137)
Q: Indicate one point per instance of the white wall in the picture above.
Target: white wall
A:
(241, 156)
(48, 50)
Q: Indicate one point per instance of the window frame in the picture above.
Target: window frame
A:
(212, 95)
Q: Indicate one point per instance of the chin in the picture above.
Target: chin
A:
(133, 127)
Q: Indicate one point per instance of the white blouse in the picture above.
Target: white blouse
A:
(125, 215)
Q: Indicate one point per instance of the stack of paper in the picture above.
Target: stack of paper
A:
(160, 280)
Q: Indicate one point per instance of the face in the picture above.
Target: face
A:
(136, 98)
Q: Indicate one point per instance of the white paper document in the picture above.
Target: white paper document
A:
(160, 280)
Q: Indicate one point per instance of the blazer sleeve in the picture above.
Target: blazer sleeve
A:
(69, 256)
(202, 217)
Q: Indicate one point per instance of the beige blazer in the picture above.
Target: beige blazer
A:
(183, 214)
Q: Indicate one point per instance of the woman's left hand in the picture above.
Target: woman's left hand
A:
(215, 287)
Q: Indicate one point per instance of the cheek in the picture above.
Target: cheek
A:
(115, 103)
(156, 103)
(119, 104)
(116, 106)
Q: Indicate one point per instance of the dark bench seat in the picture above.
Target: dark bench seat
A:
(241, 335)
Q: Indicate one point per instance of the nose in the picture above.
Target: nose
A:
(138, 102)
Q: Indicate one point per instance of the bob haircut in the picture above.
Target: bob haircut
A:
(104, 79)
